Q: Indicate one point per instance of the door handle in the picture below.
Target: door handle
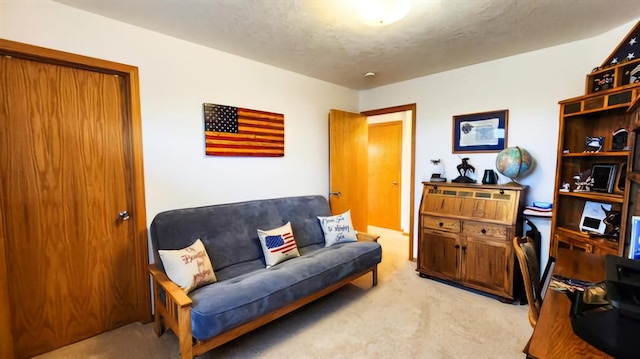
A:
(395, 183)
(337, 194)
(123, 215)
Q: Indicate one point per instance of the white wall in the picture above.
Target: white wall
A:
(176, 78)
(528, 85)
(405, 195)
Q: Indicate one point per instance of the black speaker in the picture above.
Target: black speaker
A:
(619, 139)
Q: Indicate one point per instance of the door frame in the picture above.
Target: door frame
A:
(402, 108)
(137, 193)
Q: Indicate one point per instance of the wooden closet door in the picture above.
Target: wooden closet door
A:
(64, 160)
(385, 174)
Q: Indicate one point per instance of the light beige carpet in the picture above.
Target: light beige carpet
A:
(405, 316)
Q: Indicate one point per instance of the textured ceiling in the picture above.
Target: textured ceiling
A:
(322, 38)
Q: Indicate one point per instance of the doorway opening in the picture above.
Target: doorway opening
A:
(391, 174)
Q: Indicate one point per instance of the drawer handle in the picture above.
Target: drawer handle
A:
(484, 231)
(501, 191)
(457, 246)
(441, 224)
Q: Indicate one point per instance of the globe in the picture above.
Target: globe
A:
(514, 162)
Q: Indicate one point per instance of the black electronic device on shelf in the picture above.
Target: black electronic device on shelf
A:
(612, 328)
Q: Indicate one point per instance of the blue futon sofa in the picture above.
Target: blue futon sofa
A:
(246, 294)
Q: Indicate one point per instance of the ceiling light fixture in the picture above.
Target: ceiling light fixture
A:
(382, 12)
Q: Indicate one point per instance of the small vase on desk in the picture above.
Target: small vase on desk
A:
(490, 177)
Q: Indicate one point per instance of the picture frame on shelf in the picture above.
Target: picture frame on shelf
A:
(634, 75)
(604, 177)
(621, 179)
(480, 132)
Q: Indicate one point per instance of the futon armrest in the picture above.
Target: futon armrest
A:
(366, 237)
(176, 293)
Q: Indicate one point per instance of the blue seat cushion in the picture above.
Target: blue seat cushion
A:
(224, 305)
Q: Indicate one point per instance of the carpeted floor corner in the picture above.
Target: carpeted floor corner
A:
(405, 316)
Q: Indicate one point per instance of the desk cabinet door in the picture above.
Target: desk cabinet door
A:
(439, 254)
(489, 264)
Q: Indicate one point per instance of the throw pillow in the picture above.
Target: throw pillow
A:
(190, 267)
(278, 244)
(338, 229)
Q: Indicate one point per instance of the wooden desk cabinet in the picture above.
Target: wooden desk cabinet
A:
(466, 232)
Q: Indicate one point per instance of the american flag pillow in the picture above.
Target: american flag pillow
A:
(278, 244)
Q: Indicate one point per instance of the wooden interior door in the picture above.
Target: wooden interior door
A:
(385, 174)
(348, 162)
(74, 267)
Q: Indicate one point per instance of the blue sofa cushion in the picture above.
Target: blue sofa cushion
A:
(224, 305)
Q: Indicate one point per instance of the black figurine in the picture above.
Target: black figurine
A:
(612, 220)
(463, 169)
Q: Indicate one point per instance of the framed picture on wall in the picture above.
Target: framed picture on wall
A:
(480, 132)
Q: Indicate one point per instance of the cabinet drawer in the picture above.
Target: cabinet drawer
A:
(484, 229)
(443, 224)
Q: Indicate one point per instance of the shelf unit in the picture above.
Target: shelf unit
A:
(620, 75)
(611, 102)
(621, 69)
(595, 114)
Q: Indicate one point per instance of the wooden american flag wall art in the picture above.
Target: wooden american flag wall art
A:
(234, 131)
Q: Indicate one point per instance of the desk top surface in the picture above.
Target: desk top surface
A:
(553, 336)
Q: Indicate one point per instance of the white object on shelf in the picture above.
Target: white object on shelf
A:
(593, 216)
(533, 212)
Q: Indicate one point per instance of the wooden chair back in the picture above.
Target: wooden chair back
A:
(529, 266)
